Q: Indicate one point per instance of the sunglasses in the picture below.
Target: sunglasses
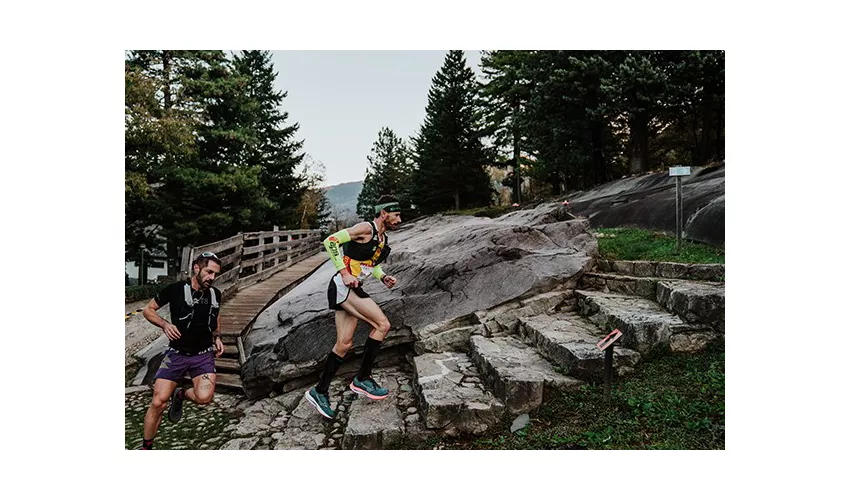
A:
(209, 254)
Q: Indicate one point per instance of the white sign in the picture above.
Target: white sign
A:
(679, 171)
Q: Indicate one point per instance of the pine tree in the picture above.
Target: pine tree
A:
(695, 115)
(272, 147)
(160, 123)
(207, 152)
(389, 172)
(449, 154)
(570, 116)
(506, 94)
(640, 88)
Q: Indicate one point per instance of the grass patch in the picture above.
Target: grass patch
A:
(641, 244)
(672, 401)
(201, 426)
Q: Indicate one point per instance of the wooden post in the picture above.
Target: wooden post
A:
(609, 370)
(275, 239)
(186, 262)
(288, 247)
(607, 345)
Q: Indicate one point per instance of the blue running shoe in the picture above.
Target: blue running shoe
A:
(368, 388)
(321, 402)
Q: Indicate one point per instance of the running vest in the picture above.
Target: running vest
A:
(190, 303)
(360, 258)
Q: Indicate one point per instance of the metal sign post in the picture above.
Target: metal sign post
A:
(607, 345)
(678, 172)
(144, 274)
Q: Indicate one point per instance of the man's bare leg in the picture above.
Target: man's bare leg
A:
(162, 389)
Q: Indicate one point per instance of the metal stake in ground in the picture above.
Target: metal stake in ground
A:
(678, 172)
(607, 345)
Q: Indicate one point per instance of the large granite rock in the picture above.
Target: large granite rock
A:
(649, 201)
(446, 266)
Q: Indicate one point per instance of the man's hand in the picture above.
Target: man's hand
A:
(219, 347)
(388, 280)
(171, 331)
(349, 280)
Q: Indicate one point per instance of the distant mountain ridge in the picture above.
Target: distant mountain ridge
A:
(343, 197)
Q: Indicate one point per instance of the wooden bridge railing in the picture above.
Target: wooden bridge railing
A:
(248, 258)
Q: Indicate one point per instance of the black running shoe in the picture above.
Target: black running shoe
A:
(175, 411)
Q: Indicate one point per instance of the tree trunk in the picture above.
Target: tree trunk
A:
(598, 159)
(708, 147)
(457, 200)
(639, 145)
(719, 140)
(517, 168)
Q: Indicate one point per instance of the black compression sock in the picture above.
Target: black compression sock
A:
(147, 444)
(370, 352)
(331, 366)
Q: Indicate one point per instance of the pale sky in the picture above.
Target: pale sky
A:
(341, 99)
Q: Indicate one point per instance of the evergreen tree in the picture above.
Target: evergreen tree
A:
(450, 157)
(640, 88)
(569, 118)
(694, 134)
(207, 152)
(160, 140)
(389, 172)
(505, 97)
(272, 146)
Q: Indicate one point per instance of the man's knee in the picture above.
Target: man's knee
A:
(159, 403)
(384, 326)
(204, 398)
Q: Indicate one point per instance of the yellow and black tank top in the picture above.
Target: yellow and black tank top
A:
(360, 258)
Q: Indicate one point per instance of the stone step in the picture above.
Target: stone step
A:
(375, 425)
(694, 301)
(305, 429)
(569, 341)
(451, 396)
(644, 323)
(504, 319)
(706, 272)
(455, 339)
(619, 283)
(516, 372)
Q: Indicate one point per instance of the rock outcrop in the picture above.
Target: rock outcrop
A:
(446, 266)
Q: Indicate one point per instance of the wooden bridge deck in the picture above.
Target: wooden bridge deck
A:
(239, 311)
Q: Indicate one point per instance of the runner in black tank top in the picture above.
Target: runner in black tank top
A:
(357, 252)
